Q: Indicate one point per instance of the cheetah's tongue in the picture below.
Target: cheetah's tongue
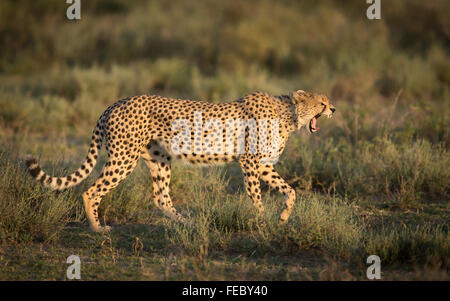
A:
(313, 124)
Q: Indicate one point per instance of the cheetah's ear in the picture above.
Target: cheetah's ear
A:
(298, 96)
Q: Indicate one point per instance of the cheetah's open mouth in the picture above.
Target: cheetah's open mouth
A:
(312, 124)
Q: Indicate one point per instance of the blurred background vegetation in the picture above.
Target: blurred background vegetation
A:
(389, 78)
(220, 50)
(387, 146)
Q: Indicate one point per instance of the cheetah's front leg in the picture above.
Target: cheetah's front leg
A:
(273, 179)
(249, 166)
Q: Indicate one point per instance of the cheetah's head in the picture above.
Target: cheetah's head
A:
(309, 107)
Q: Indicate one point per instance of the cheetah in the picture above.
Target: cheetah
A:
(157, 129)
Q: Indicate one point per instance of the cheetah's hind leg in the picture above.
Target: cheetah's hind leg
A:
(110, 177)
(158, 161)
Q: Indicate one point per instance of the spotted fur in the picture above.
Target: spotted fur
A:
(141, 127)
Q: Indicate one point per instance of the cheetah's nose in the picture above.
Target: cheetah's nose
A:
(333, 110)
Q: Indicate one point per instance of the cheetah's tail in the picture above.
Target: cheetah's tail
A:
(76, 177)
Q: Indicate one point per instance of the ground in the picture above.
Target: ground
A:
(327, 237)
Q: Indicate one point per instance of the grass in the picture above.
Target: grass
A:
(223, 239)
(374, 180)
